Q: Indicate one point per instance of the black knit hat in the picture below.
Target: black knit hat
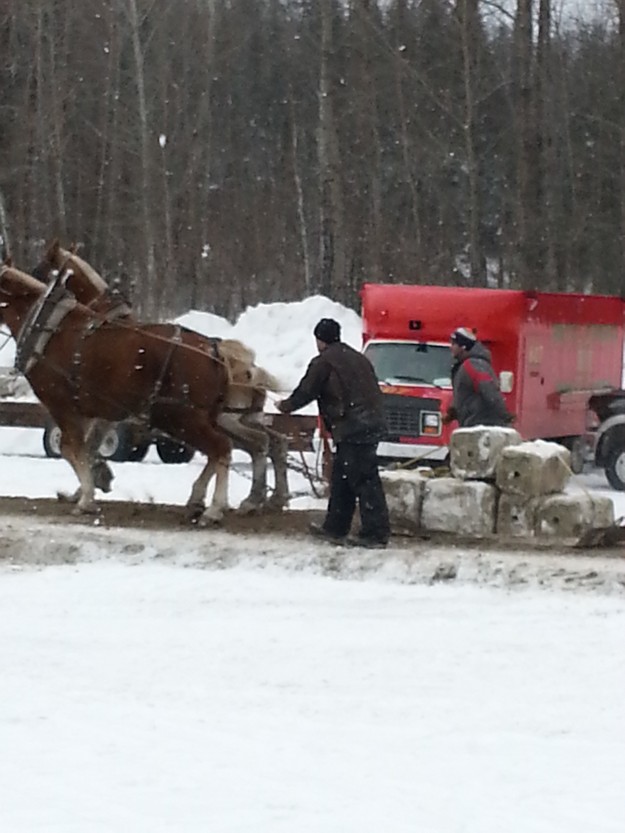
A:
(464, 337)
(328, 330)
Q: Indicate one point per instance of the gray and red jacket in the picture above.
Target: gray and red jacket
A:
(477, 398)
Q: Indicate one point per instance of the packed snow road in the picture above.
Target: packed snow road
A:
(148, 688)
(159, 699)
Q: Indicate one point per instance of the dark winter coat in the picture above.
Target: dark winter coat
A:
(350, 402)
(477, 398)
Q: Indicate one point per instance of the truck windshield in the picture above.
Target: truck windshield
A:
(411, 363)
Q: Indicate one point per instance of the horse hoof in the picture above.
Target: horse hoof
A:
(193, 512)
(103, 476)
(211, 517)
(85, 509)
(277, 504)
(64, 497)
(248, 507)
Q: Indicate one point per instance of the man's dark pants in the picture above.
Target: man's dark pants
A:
(356, 479)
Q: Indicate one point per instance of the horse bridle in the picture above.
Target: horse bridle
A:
(3, 328)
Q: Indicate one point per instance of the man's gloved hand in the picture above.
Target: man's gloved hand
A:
(281, 407)
(450, 416)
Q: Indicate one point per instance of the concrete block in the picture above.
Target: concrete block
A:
(404, 496)
(533, 469)
(462, 507)
(474, 452)
(516, 516)
(571, 513)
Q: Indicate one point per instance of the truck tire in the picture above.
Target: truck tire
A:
(52, 440)
(615, 468)
(171, 451)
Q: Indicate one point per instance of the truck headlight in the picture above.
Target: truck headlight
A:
(431, 424)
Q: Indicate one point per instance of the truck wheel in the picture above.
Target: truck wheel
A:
(615, 469)
(52, 440)
(171, 451)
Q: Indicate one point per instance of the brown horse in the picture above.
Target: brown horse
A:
(241, 415)
(83, 367)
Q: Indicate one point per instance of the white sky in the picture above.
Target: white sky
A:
(142, 691)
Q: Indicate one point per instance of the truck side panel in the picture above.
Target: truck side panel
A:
(562, 364)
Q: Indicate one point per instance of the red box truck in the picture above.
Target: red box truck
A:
(551, 351)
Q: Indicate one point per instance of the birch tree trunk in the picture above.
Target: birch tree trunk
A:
(151, 292)
(469, 35)
(331, 225)
(621, 75)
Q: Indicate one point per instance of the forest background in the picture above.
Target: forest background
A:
(213, 154)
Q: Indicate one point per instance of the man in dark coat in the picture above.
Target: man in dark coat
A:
(477, 398)
(343, 382)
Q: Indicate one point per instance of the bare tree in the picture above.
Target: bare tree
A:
(151, 294)
(332, 252)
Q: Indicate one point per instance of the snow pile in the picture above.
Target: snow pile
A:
(281, 334)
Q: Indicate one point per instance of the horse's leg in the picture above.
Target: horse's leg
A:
(254, 440)
(75, 451)
(219, 505)
(278, 451)
(196, 428)
(100, 469)
(196, 503)
(102, 473)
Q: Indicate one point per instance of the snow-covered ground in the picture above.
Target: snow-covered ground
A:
(153, 699)
(146, 688)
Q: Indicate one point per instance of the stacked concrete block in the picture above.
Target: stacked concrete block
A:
(461, 507)
(528, 498)
(570, 514)
(404, 496)
(474, 452)
(532, 469)
(516, 515)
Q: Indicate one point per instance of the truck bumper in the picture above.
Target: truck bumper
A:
(410, 451)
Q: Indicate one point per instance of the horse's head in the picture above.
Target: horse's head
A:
(16, 288)
(51, 265)
(77, 275)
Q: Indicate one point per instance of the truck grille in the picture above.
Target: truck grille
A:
(403, 414)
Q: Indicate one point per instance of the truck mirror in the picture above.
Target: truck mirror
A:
(506, 381)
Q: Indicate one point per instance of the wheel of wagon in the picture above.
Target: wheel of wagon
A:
(117, 443)
(171, 451)
(615, 468)
(52, 440)
(138, 451)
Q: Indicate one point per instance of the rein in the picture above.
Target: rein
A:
(7, 337)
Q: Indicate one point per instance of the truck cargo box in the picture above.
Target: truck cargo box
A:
(551, 352)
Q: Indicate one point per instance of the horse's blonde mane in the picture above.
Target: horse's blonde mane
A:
(264, 380)
(232, 350)
(88, 271)
(239, 360)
